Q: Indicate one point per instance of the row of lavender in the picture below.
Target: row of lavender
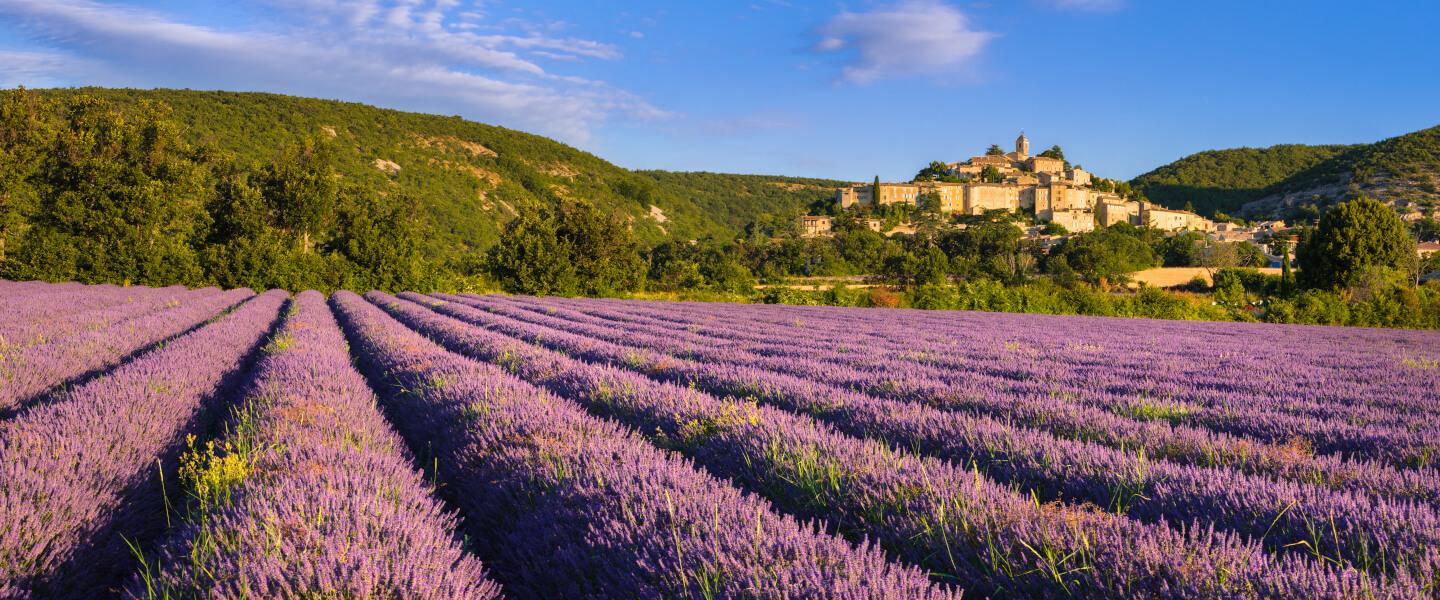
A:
(1366, 392)
(59, 333)
(865, 365)
(304, 490)
(1128, 482)
(1385, 525)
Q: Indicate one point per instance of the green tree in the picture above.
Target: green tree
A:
(994, 150)
(934, 171)
(381, 237)
(990, 174)
(1180, 250)
(1108, 253)
(1426, 229)
(26, 133)
(299, 184)
(1281, 247)
(1054, 228)
(243, 247)
(602, 250)
(928, 203)
(118, 200)
(572, 250)
(530, 258)
(931, 267)
(899, 269)
(1351, 236)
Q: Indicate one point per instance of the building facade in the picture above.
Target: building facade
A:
(1037, 184)
(812, 225)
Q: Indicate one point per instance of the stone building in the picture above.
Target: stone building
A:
(1037, 184)
(812, 226)
(1166, 219)
(1075, 220)
(1045, 164)
(1109, 213)
(980, 197)
(890, 193)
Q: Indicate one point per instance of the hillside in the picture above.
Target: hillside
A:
(472, 177)
(1296, 182)
(1225, 180)
(737, 200)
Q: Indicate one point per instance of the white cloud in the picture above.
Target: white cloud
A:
(768, 123)
(39, 69)
(908, 39)
(394, 52)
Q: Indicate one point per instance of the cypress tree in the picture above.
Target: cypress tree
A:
(1282, 247)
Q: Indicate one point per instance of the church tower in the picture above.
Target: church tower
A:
(1022, 146)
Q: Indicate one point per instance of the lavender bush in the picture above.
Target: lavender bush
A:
(1359, 392)
(28, 373)
(80, 478)
(561, 504)
(307, 440)
(67, 314)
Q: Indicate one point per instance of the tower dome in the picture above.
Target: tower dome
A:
(1022, 146)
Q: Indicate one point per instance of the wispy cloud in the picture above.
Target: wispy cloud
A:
(380, 51)
(764, 123)
(40, 69)
(908, 39)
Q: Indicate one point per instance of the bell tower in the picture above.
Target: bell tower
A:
(1022, 146)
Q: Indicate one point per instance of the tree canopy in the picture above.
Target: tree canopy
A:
(103, 193)
(1352, 236)
(574, 250)
(1108, 253)
(934, 171)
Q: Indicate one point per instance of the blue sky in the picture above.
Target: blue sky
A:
(843, 90)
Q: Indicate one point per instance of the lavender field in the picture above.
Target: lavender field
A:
(174, 443)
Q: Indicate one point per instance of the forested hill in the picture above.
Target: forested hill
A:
(1297, 182)
(471, 177)
(1225, 180)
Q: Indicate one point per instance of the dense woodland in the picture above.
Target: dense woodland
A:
(1224, 180)
(1221, 182)
(469, 178)
(112, 188)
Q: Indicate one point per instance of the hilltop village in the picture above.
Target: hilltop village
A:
(1041, 186)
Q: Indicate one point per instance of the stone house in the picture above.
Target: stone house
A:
(811, 226)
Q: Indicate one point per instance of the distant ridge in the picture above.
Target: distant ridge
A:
(1296, 182)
